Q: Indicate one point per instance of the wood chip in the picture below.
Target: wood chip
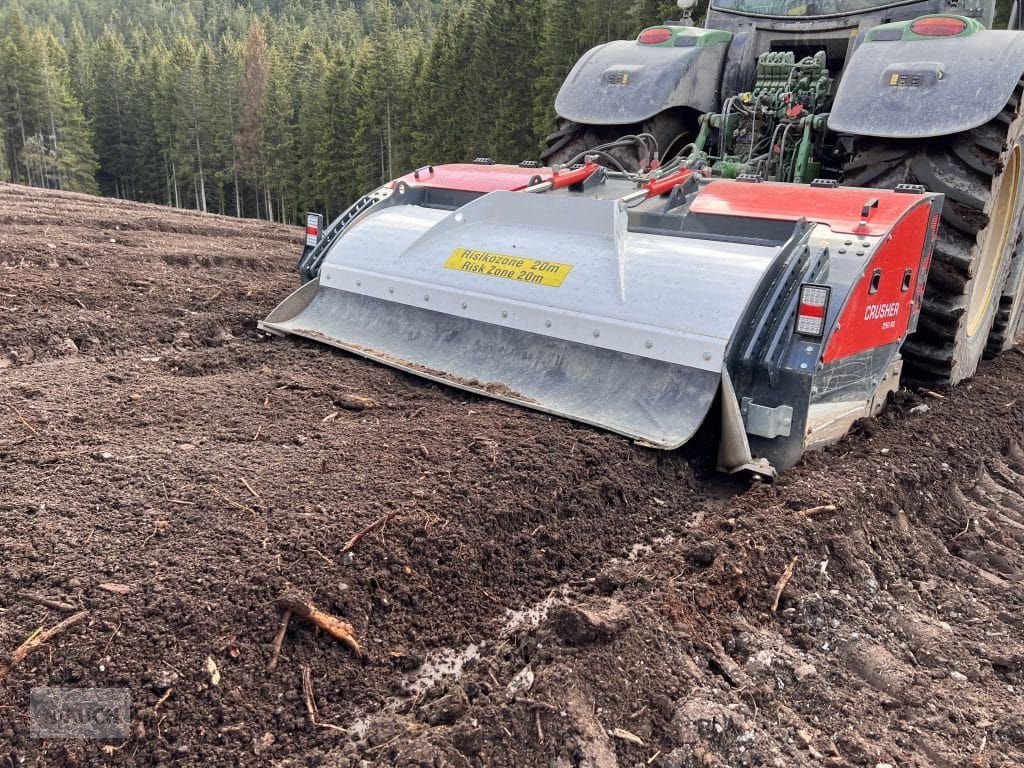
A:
(818, 510)
(352, 402)
(624, 735)
(117, 589)
(212, 671)
(780, 585)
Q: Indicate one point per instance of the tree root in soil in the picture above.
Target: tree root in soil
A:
(335, 627)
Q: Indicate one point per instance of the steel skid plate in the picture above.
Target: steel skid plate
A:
(650, 400)
(548, 302)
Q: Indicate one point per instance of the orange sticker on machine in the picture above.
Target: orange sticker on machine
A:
(533, 271)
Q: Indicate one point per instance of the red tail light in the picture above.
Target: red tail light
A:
(938, 26)
(314, 222)
(810, 317)
(654, 36)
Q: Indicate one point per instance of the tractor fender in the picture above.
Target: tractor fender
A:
(919, 88)
(624, 82)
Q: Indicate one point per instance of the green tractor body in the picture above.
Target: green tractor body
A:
(862, 92)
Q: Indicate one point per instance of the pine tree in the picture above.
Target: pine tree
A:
(69, 142)
(5, 172)
(108, 107)
(80, 62)
(45, 138)
(22, 100)
(224, 91)
(560, 47)
(382, 102)
(335, 151)
(158, 72)
(450, 110)
(311, 96)
(147, 163)
(508, 34)
(270, 107)
(252, 105)
(278, 141)
(189, 136)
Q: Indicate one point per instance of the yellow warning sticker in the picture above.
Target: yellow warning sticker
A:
(535, 271)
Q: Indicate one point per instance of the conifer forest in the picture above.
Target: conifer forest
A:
(269, 108)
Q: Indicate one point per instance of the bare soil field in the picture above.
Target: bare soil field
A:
(534, 592)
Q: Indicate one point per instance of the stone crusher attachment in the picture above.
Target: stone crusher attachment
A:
(631, 305)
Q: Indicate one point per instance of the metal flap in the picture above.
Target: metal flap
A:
(657, 403)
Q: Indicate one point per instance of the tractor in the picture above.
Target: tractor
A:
(870, 93)
(761, 226)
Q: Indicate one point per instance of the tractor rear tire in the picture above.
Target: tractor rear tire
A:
(965, 313)
(570, 139)
(1009, 322)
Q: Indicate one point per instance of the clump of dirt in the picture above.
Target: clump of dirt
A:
(530, 591)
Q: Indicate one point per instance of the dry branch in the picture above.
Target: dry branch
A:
(232, 502)
(38, 639)
(21, 418)
(165, 697)
(380, 522)
(818, 510)
(279, 639)
(250, 489)
(782, 582)
(307, 695)
(57, 605)
(332, 625)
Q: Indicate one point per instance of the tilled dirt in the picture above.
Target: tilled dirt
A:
(541, 593)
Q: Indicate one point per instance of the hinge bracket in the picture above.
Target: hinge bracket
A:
(763, 421)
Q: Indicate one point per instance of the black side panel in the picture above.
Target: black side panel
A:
(854, 378)
(784, 451)
(771, 367)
